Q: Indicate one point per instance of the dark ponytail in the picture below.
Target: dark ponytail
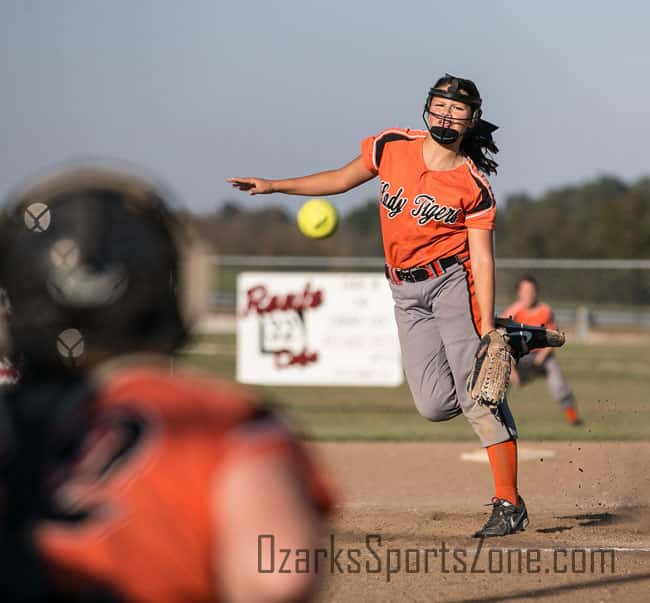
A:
(479, 145)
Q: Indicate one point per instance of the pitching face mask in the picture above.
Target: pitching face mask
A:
(445, 134)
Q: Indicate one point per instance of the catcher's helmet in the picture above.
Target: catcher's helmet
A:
(91, 261)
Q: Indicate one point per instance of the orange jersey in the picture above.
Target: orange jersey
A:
(147, 480)
(424, 214)
(540, 314)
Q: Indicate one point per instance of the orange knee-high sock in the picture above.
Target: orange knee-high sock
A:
(571, 414)
(503, 461)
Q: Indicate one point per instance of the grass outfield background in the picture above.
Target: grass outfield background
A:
(611, 384)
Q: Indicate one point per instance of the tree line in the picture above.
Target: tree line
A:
(603, 218)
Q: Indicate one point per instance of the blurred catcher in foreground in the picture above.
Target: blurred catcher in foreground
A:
(122, 481)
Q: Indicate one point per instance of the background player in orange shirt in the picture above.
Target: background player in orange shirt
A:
(121, 481)
(530, 310)
(437, 216)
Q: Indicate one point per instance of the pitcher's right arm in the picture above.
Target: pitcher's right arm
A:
(330, 182)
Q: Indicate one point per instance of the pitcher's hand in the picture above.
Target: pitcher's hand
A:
(254, 186)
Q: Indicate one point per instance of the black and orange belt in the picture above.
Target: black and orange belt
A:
(424, 272)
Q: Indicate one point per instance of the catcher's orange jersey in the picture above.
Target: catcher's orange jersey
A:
(147, 481)
(538, 315)
(424, 214)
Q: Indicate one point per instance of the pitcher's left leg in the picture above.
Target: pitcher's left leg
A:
(459, 323)
(457, 314)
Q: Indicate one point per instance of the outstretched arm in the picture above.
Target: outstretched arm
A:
(330, 182)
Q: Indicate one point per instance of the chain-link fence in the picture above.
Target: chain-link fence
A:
(610, 294)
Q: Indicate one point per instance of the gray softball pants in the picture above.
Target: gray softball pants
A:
(557, 385)
(438, 338)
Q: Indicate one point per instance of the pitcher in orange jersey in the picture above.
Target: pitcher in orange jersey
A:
(529, 309)
(437, 216)
(121, 481)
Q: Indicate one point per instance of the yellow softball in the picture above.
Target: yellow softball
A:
(317, 219)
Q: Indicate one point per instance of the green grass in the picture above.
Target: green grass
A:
(612, 386)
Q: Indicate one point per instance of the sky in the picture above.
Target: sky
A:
(196, 91)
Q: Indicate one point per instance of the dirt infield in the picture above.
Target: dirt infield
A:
(407, 510)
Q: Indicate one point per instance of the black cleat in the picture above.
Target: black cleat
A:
(506, 519)
(525, 338)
